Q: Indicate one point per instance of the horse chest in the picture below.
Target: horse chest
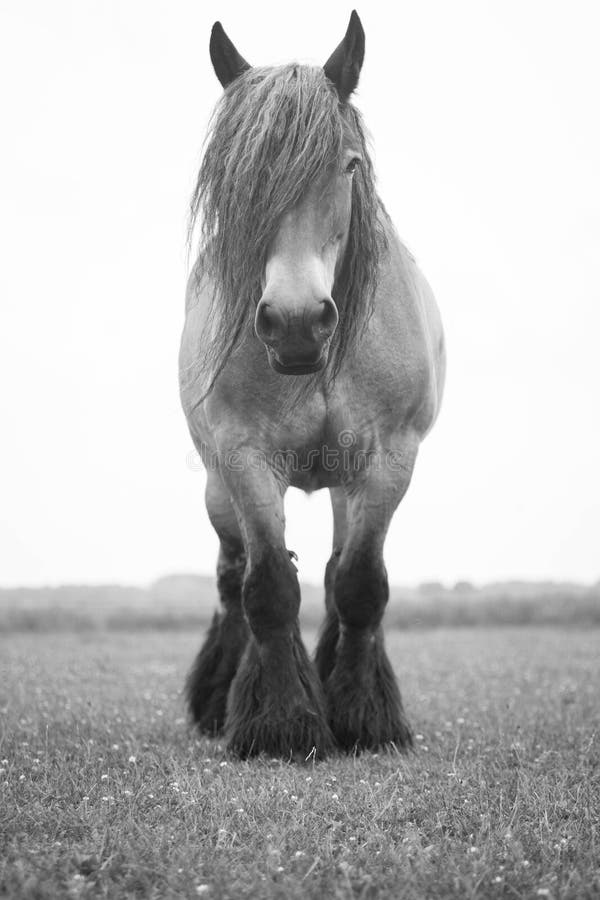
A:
(326, 446)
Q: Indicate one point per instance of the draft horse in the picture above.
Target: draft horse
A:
(312, 356)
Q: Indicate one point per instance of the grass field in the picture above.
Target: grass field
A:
(105, 792)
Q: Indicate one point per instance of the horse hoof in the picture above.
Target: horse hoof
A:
(299, 737)
(210, 678)
(364, 705)
(279, 713)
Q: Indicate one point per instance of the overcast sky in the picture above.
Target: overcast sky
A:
(484, 117)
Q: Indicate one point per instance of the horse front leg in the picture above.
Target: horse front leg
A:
(363, 699)
(275, 703)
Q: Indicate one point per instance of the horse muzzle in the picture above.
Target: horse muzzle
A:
(298, 365)
(297, 342)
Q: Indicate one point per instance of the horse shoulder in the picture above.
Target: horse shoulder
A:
(413, 337)
(191, 382)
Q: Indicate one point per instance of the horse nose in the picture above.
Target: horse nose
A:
(324, 320)
(316, 324)
(270, 324)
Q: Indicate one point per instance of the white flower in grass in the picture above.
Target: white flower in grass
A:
(201, 888)
(104, 778)
(131, 759)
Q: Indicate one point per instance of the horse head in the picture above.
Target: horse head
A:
(296, 315)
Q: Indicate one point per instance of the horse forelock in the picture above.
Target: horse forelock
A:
(273, 133)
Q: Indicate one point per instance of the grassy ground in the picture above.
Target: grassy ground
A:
(104, 791)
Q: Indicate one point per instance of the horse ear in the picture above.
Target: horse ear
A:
(227, 62)
(344, 65)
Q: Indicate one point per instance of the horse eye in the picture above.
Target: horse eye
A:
(352, 166)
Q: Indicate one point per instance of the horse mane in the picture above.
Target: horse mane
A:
(274, 131)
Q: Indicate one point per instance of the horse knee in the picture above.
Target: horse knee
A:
(361, 591)
(271, 594)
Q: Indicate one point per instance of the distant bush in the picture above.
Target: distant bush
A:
(473, 609)
(189, 604)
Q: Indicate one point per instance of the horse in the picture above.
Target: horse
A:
(313, 357)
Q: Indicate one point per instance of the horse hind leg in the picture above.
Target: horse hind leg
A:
(214, 668)
(330, 630)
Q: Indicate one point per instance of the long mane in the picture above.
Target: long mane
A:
(272, 134)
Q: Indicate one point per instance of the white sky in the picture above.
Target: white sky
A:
(486, 130)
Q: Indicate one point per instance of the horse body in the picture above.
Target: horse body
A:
(391, 388)
(262, 428)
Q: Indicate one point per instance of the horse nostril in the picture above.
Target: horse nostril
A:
(269, 323)
(326, 319)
